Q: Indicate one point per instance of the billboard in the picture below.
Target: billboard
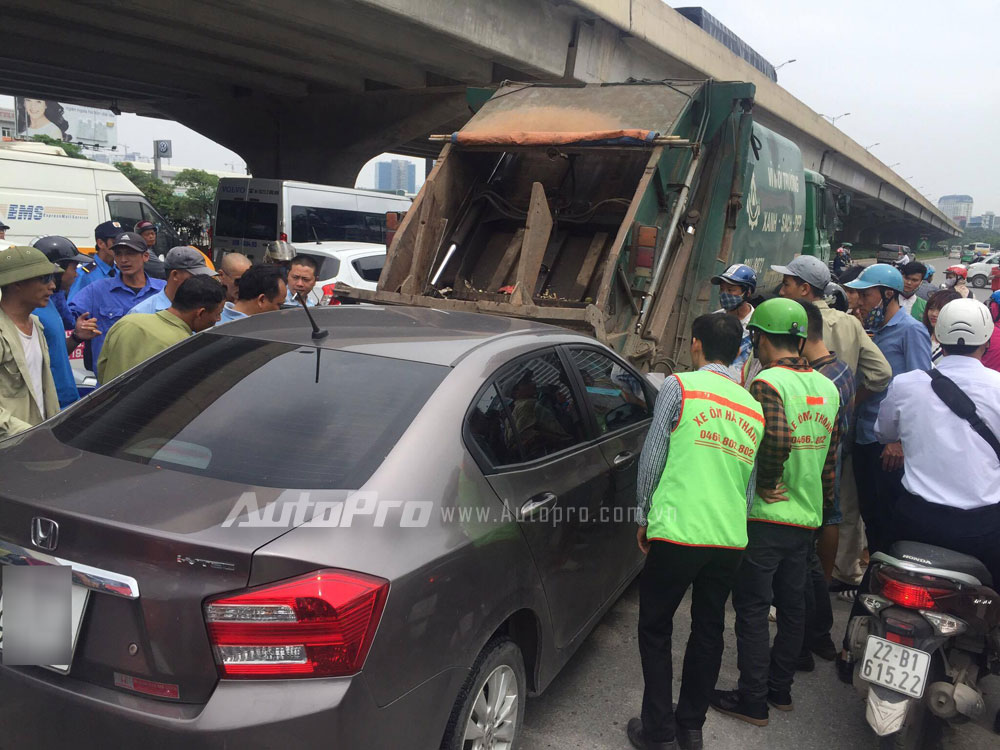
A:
(86, 126)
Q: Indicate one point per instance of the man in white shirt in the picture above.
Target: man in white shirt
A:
(936, 509)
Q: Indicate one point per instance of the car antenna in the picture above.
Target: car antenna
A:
(317, 333)
(315, 235)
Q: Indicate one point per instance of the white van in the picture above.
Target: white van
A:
(250, 212)
(44, 192)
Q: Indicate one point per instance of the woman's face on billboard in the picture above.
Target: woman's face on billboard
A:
(35, 107)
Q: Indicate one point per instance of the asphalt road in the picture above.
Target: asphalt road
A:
(590, 702)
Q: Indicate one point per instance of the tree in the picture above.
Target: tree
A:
(72, 150)
(187, 203)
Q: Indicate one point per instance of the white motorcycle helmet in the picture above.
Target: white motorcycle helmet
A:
(965, 322)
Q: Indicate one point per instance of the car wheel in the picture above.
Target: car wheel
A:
(979, 282)
(489, 709)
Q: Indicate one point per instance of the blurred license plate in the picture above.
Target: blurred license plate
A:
(78, 605)
(895, 666)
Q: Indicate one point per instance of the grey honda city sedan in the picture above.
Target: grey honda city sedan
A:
(387, 537)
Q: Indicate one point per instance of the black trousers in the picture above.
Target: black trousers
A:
(670, 569)
(971, 532)
(773, 571)
(877, 493)
(819, 611)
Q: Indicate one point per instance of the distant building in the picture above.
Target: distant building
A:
(958, 208)
(988, 220)
(7, 123)
(398, 174)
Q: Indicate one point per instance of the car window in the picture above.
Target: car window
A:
(369, 267)
(489, 426)
(317, 224)
(255, 412)
(615, 394)
(250, 220)
(328, 267)
(127, 212)
(546, 418)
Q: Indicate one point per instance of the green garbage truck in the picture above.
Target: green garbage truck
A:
(606, 209)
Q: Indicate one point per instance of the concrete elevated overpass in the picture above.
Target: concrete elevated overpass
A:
(313, 89)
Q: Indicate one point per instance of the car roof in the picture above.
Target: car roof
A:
(419, 334)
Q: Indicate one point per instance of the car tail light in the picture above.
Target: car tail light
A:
(283, 236)
(328, 296)
(907, 593)
(320, 625)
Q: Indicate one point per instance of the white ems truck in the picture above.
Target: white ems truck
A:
(44, 192)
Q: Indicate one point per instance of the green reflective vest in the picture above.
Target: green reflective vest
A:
(811, 404)
(701, 498)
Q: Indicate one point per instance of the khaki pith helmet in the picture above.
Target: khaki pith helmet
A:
(19, 263)
(279, 250)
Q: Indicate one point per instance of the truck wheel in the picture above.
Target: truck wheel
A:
(489, 710)
(979, 281)
(921, 731)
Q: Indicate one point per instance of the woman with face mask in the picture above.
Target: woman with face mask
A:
(992, 357)
(934, 304)
(736, 286)
(954, 278)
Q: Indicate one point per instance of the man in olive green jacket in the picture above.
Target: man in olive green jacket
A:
(27, 391)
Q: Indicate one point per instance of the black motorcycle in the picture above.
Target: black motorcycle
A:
(929, 653)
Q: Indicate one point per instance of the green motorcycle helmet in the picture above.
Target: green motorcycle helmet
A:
(780, 316)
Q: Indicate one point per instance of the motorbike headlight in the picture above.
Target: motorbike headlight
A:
(874, 603)
(944, 624)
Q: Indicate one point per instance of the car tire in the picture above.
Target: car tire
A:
(979, 281)
(490, 705)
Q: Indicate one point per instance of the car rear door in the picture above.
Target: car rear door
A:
(535, 446)
(620, 403)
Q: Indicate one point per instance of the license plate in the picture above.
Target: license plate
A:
(895, 666)
(78, 605)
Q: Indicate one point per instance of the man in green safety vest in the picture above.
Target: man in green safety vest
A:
(793, 492)
(692, 511)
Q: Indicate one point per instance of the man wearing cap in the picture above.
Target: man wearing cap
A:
(792, 494)
(3, 230)
(135, 338)
(109, 300)
(27, 390)
(736, 286)
(103, 264)
(153, 266)
(56, 318)
(181, 263)
(878, 469)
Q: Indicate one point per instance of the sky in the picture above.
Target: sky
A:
(918, 77)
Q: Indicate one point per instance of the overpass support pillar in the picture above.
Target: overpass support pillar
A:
(323, 138)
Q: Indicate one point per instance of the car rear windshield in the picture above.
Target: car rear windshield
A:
(255, 412)
(247, 219)
(315, 224)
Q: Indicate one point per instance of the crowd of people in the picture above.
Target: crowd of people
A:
(123, 305)
(808, 438)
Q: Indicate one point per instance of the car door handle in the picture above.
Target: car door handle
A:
(532, 506)
(623, 459)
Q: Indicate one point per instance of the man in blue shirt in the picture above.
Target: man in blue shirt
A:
(56, 318)
(261, 289)
(181, 263)
(110, 299)
(878, 469)
(102, 265)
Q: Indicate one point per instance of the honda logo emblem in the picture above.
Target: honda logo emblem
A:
(44, 533)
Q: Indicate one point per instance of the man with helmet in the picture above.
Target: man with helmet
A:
(56, 318)
(878, 469)
(736, 286)
(27, 390)
(793, 493)
(935, 509)
(955, 278)
(279, 253)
